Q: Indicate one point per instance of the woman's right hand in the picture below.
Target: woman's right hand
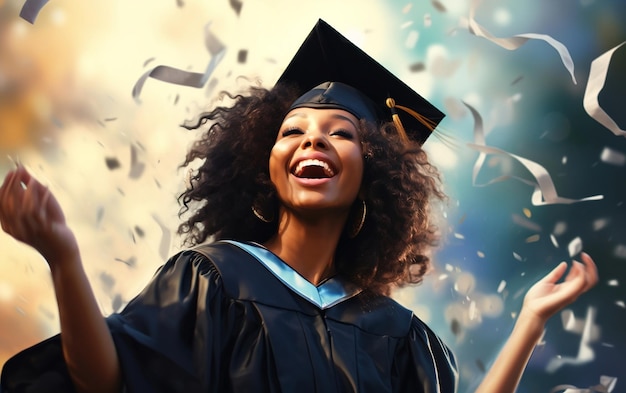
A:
(31, 214)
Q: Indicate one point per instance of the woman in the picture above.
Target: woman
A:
(318, 209)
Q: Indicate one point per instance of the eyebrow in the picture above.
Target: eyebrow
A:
(334, 116)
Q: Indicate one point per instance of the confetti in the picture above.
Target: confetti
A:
(610, 156)
(585, 351)
(517, 256)
(417, 67)
(532, 239)
(600, 223)
(164, 246)
(620, 251)
(459, 236)
(595, 83)
(438, 6)
(242, 56)
(613, 283)
(527, 212)
(185, 78)
(411, 39)
(516, 41)
(236, 5)
(517, 80)
(553, 240)
(501, 286)
(480, 254)
(406, 24)
(30, 10)
(112, 163)
(427, 20)
(407, 8)
(140, 232)
(607, 384)
(136, 167)
(575, 246)
(545, 191)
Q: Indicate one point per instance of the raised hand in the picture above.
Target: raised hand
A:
(548, 296)
(31, 214)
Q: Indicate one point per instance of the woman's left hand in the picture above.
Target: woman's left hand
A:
(547, 297)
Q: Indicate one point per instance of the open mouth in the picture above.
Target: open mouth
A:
(313, 169)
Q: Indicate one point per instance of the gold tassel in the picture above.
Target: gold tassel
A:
(391, 104)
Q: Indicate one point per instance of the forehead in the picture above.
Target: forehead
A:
(321, 115)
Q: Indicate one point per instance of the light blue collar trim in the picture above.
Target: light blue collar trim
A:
(331, 292)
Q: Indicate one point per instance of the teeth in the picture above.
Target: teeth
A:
(312, 162)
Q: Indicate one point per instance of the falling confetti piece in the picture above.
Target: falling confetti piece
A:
(185, 78)
(439, 6)
(459, 236)
(417, 67)
(427, 20)
(613, 283)
(585, 351)
(407, 8)
(575, 246)
(595, 84)
(516, 41)
(526, 223)
(164, 246)
(620, 303)
(411, 39)
(517, 256)
(136, 167)
(527, 212)
(30, 10)
(501, 286)
(600, 223)
(480, 254)
(112, 163)
(517, 80)
(554, 242)
(532, 239)
(140, 232)
(620, 251)
(236, 5)
(607, 384)
(610, 156)
(242, 56)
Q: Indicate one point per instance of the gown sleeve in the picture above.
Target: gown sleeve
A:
(423, 363)
(162, 336)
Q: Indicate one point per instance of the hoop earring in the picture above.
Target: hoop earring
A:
(357, 224)
(257, 212)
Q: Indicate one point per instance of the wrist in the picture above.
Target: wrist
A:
(531, 323)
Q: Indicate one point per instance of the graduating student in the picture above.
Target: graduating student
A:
(310, 205)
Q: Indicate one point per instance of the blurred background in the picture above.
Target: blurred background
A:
(73, 109)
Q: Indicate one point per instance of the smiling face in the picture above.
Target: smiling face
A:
(317, 160)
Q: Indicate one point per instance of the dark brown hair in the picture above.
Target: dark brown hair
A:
(398, 186)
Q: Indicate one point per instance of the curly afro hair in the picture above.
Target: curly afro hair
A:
(398, 186)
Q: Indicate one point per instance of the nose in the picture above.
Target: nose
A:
(314, 139)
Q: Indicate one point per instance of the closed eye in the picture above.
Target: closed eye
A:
(292, 131)
(344, 134)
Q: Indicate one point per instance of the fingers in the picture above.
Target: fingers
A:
(590, 269)
(555, 274)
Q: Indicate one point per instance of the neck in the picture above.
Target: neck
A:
(308, 244)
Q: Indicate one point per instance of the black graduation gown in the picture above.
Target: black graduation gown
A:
(232, 317)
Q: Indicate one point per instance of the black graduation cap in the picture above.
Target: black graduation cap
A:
(332, 72)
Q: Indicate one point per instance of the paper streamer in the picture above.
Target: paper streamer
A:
(595, 83)
(31, 9)
(516, 41)
(585, 352)
(545, 191)
(607, 384)
(185, 78)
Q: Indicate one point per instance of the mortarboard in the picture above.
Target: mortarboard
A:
(332, 72)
